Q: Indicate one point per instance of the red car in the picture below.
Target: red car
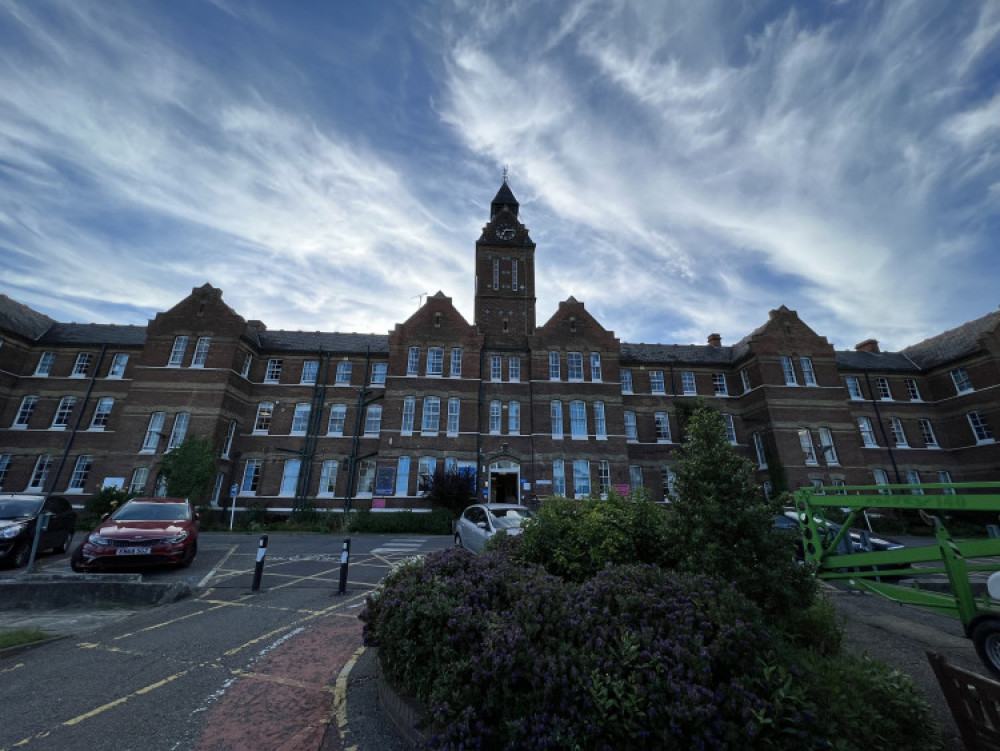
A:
(143, 532)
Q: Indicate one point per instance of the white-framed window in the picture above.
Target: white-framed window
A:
(788, 370)
(290, 477)
(81, 471)
(496, 368)
(200, 356)
(669, 481)
(118, 363)
(730, 427)
(425, 472)
(662, 422)
(265, 412)
(656, 382)
(247, 363)
(912, 390)
(310, 371)
(882, 387)
(273, 372)
(251, 477)
(554, 374)
(413, 361)
(719, 384)
(403, 475)
(514, 418)
(808, 373)
(854, 388)
(373, 420)
(177, 352)
(431, 415)
(82, 365)
(153, 432)
(881, 478)
(514, 369)
(578, 420)
(626, 376)
(600, 424)
(40, 473)
(435, 361)
(827, 448)
(980, 428)
(61, 418)
(496, 273)
(344, 370)
(634, 477)
(558, 478)
(745, 380)
(496, 414)
(454, 413)
(25, 411)
(44, 367)
(456, 364)
(631, 434)
(838, 484)
(595, 367)
(177, 433)
(409, 410)
(300, 419)
(960, 377)
(328, 478)
(927, 433)
(603, 475)
(513, 274)
(581, 478)
(227, 445)
(379, 370)
(140, 475)
(898, 436)
(944, 477)
(806, 442)
(101, 413)
(220, 479)
(913, 478)
(366, 478)
(817, 484)
(555, 412)
(758, 445)
(867, 432)
(688, 386)
(574, 366)
(338, 415)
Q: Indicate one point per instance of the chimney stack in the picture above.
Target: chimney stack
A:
(715, 340)
(868, 345)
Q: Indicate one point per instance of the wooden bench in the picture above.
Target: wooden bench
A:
(974, 701)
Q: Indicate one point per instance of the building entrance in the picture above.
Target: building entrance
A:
(505, 482)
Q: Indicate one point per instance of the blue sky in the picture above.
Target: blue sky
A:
(683, 167)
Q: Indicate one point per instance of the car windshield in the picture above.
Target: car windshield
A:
(509, 518)
(19, 508)
(152, 512)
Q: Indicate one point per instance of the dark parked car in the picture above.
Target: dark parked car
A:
(788, 522)
(480, 522)
(143, 532)
(19, 514)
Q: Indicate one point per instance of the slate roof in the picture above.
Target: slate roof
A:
(314, 341)
(688, 354)
(895, 362)
(94, 333)
(951, 345)
(22, 320)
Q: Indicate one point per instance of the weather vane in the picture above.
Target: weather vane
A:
(505, 173)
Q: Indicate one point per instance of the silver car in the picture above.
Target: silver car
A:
(480, 522)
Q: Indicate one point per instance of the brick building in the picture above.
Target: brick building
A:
(558, 408)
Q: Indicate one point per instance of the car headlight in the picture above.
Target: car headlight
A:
(9, 533)
(181, 537)
(99, 539)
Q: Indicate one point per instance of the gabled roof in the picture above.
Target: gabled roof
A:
(687, 354)
(22, 320)
(952, 345)
(316, 341)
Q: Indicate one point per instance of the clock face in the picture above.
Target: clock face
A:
(505, 232)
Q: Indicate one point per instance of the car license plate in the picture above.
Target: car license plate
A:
(133, 551)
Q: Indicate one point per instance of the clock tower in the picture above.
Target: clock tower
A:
(505, 276)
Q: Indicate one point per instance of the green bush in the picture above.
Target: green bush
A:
(103, 502)
(434, 522)
(575, 539)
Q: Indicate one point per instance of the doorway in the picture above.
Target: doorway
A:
(505, 482)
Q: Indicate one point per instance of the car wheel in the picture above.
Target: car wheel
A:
(986, 637)
(65, 545)
(76, 560)
(22, 555)
(189, 556)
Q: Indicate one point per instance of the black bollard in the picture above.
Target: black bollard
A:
(259, 568)
(344, 558)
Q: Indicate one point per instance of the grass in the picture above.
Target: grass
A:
(21, 636)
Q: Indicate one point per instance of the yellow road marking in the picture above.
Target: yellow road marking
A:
(118, 702)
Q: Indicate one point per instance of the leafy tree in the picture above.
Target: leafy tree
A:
(721, 524)
(189, 469)
(451, 489)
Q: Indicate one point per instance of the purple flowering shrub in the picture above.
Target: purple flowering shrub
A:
(507, 656)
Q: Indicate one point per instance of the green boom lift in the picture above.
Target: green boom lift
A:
(839, 555)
